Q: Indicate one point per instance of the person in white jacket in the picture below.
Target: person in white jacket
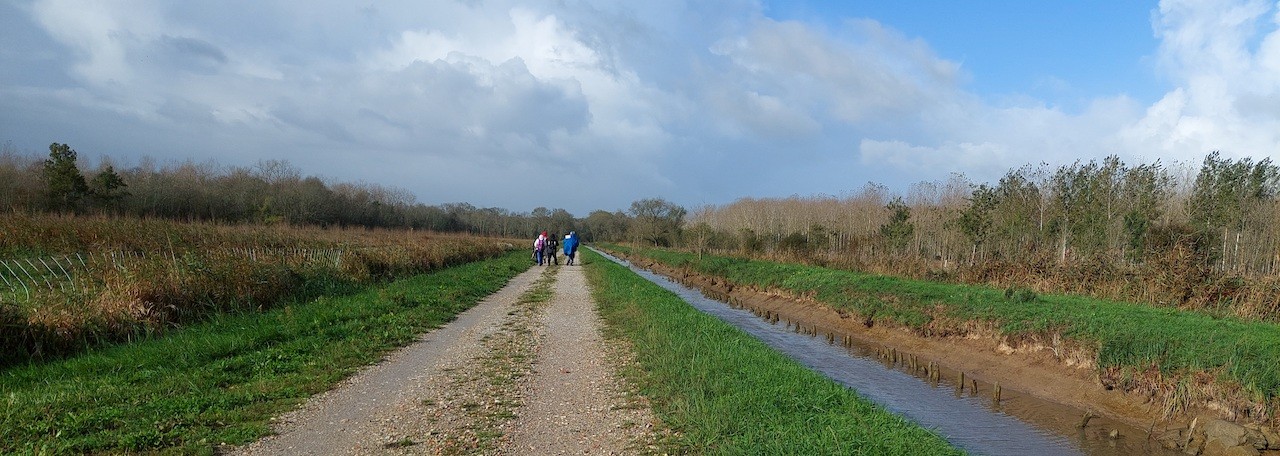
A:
(539, 245)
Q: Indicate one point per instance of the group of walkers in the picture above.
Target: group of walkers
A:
(545, 247)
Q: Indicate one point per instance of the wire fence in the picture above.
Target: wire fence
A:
(22, 278)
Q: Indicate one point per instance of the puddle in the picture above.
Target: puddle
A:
(1018, 424)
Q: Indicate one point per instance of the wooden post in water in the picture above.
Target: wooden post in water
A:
(1084, 420)
(961, 383)
(996, 395)
(973, 386)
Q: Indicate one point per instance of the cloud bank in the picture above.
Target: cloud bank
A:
(592, 104)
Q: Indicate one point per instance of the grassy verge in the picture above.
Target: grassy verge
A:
(720, 391)
(220, 381)
(1182, 356)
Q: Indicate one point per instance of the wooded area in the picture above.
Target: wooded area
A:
(269, 192)
(1176, 236)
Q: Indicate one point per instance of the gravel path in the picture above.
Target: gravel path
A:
(509, 376)
(576, 403)
(362, 415)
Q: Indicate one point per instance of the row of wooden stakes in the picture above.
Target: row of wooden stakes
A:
(889, 354)
(931, 370)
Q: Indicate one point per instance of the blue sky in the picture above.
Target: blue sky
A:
(1060, 51)
(591, 104)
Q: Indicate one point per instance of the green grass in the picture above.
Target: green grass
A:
(221, 381)
(721, 391)
(1129, 336)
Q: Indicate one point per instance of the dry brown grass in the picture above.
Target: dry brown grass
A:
(145, 276)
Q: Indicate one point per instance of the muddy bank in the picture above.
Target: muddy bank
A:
(1049, 370)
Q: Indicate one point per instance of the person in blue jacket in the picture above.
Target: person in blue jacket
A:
(570, 247)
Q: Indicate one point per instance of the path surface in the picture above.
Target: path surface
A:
(575, 403)
(420, 398)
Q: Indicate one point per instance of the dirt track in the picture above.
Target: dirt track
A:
(504, 378)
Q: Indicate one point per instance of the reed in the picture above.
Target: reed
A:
(133, 278)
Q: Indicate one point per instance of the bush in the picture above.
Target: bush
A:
(1016, 294)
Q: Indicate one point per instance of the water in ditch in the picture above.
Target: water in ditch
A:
(1018, 424)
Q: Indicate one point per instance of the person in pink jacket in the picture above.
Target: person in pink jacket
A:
(539, 245)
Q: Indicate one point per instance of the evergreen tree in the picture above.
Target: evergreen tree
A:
(66, 186)
(107, 187)
(899, 229)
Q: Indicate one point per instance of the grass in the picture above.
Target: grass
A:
(133, 277)
(720, 391)
(1129, 339)
(220, 381)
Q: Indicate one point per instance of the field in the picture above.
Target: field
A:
(68, 283)
(1228, 362)
(134, 335)
(221, 380)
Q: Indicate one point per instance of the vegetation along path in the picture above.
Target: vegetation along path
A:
(524, 372)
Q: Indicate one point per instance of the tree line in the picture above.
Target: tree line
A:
(273, 191)
(1187, 235)
(1180, 235)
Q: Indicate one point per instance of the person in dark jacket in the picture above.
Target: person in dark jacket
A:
(553, 243)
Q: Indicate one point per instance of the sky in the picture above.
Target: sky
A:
(593, 104)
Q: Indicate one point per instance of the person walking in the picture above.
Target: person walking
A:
(553, 243)
(539, 246)
(570, 247)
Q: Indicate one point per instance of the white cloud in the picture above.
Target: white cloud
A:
(700, 101)
(1223, 57)
(983, 157)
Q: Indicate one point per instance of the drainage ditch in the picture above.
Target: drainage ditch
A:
(979, 417)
